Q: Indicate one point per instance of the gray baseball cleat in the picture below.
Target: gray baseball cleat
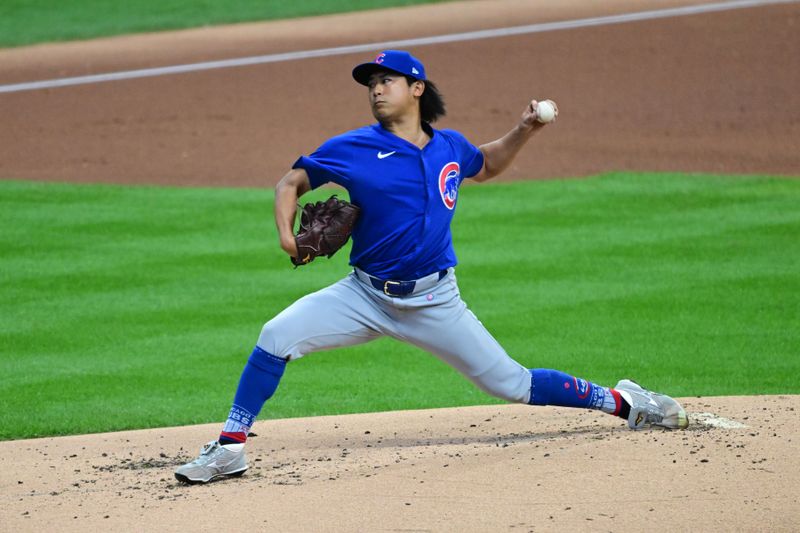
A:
(649, 407)
(215, 461)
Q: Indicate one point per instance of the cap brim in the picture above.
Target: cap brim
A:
(364, 71)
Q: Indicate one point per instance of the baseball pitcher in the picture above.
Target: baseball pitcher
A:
(403, 178)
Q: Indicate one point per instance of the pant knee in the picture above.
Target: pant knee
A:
(509, 382)
(268, 341)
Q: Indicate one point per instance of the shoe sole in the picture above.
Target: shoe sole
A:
(185, 479)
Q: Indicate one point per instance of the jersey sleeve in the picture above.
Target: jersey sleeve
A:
(471, 156)
(329, 163)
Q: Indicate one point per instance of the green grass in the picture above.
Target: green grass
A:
(128, 307)
(24, 22)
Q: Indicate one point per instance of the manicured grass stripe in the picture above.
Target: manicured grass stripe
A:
(130, 307)
(24, 22)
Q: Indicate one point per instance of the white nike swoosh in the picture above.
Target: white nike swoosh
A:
(381, 155)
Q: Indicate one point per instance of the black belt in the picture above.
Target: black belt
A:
(392, 287)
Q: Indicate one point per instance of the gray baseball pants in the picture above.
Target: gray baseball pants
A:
(436, 319)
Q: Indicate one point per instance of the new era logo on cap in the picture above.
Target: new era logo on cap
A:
(393, 60)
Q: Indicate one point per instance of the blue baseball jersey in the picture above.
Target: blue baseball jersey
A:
(407, 195)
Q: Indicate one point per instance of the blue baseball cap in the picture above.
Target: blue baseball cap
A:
(394, 60)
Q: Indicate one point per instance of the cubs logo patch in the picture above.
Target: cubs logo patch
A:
(448, 183)
(380, 57)
(582, 388)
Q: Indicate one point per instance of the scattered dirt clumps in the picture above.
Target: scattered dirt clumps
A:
(510, 467)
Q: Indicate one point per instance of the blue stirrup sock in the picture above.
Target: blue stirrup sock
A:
(258, 383)
(551, 387)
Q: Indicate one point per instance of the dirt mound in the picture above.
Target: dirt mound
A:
(499, 468)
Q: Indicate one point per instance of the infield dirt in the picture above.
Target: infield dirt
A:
(491, 468)
(674, 94)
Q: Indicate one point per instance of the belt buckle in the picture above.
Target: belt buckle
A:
(386, 287)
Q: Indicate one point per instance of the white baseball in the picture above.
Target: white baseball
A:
(545, 111)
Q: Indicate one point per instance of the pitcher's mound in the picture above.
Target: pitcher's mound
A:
(491, 468)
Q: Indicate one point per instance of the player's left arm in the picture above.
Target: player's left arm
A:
(498, 154)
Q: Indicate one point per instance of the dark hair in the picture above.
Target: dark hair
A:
(431, 103)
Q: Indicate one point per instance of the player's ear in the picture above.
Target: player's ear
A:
(418, 87)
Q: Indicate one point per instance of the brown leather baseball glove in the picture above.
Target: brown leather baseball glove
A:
(324, 228)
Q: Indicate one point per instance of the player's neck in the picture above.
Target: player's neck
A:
(408, 128)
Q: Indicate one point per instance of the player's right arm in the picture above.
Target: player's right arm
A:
(291, 187)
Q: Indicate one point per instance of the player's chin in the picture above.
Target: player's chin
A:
(380, 112)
